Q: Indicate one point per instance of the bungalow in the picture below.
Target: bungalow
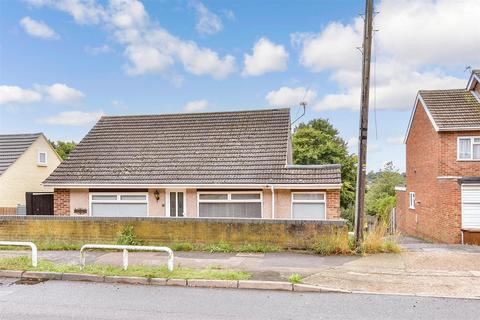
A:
(441, 199)
(206, 165)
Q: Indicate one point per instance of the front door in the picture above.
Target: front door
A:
(175, 203)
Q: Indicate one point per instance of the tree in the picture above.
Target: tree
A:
(380, 197)
(63, 148)
(318, 142)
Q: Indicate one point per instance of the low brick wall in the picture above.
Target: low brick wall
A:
(158, 231)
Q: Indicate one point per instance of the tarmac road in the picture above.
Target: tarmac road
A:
(81, 300)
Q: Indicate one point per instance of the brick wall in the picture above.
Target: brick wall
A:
(431, 156)
(165, 231)
(61, 202)
(449, 165)
(8, 211)
(333, 204)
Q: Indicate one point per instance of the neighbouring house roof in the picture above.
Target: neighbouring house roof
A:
(12, 146)
(452, 109)
(245, 147)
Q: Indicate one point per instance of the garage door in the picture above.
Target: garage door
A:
(470, 206)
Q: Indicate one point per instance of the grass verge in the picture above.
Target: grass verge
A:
(23, 263)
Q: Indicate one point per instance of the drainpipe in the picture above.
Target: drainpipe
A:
(273, 201)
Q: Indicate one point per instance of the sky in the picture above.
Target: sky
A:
(65, 63)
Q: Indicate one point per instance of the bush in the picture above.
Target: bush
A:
(128, 237)
(334, 242)
(379, 241)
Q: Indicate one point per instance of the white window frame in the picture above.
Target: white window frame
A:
(411, 200)
(309, 201)
(118, 195)
(229, 200)
(471, 147)
(39, 163)
(167, 202)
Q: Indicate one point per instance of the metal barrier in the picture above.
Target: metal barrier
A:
(24, 244)
(125, 252)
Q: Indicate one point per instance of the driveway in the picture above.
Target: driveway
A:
(420, 269)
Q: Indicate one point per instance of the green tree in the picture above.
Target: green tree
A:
(380, 197)
(319, 142)
(63, 148)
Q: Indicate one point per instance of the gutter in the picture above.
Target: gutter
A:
(189, 185)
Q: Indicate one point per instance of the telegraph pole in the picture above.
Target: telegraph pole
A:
(363, 133)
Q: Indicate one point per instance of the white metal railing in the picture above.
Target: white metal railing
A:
(24, 244)
(125, 252)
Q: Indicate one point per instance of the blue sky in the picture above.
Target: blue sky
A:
(64, 63)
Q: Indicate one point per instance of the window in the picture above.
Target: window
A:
(42, 158)
(411, 200)
(176, 203)
(241, 204)
(469, 148)
(308, 205)
(119, 205)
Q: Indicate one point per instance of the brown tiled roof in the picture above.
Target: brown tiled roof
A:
(452, 109)
(247, 147)
(12, 146)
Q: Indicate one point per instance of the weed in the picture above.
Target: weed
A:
(128, 237)
(295, 278)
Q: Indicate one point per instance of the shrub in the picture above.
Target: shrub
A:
(128, 237)
(334, 242)
(295, 278)
(379, 241)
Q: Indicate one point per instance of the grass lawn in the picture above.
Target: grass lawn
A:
(24, 263)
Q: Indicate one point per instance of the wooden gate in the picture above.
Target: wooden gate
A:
(39, 203)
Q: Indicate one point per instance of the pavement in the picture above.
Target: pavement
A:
(422, 269)
(52, 300)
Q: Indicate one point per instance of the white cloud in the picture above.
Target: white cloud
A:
(83, 12)
(196, 106)
(417, 41)
(289, 97)
(60, 93)
(38, 29)
(14, 94)
(266, 57)
(334, 47)
(72, 118)
(396, 140)
(208, 23)
(148, 47)
(105, 48)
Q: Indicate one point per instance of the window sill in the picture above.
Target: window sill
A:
(42, 165)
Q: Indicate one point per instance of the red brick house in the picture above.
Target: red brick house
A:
(441, 199)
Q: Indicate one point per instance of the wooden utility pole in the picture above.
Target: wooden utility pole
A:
(363, 133)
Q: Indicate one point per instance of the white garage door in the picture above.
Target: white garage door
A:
(471, 206)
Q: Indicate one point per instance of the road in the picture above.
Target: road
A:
(79, 300)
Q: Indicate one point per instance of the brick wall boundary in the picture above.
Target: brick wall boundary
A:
(286, 234)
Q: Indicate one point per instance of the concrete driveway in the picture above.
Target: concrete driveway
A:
(420, 269)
